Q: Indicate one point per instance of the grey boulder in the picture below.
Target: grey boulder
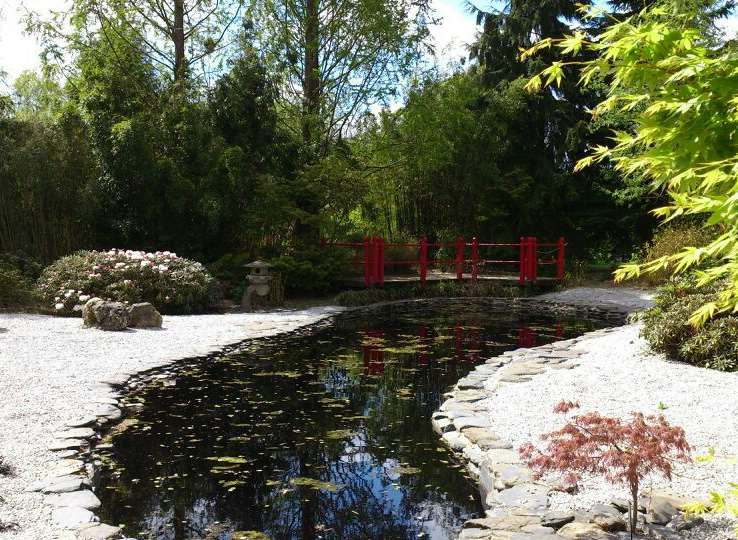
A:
(97, 313)
(144, 315)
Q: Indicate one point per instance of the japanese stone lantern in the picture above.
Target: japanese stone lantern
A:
(259, 282)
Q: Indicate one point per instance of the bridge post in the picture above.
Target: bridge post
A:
(380, 260)
(523, 260)
(423, 259)
(475, 258)
(460, 258)
(533, 259)
(560, 259)
(368, 262)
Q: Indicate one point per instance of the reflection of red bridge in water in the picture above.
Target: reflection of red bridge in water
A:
(531, 256)
(374, 353)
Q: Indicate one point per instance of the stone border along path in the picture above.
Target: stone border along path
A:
(517, 506)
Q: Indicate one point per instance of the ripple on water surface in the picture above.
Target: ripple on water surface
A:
(323, 435)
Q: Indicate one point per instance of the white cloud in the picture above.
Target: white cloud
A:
(18, 50)
(455, 32)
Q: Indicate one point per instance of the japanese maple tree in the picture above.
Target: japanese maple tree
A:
(622, 451)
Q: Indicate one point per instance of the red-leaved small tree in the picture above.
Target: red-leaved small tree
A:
(620, 451)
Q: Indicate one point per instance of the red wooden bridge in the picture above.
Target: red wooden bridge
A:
(529, 256)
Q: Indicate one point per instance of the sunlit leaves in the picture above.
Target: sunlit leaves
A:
(660, 66)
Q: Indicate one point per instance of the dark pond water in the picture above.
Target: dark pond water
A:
(325, 435)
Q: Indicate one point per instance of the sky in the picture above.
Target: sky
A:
(19, 52)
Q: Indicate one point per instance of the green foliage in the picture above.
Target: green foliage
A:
(662, 64)
(719, 503)
(311, 272)
(172, 284)
(667, 328)
(443, 289)
(15, 289)
(18, 272)
(672, 239)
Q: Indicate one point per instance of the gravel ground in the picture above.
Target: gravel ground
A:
(50, 374)
(616, 376)
(620, 297)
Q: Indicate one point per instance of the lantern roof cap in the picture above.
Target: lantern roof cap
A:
(257, 264)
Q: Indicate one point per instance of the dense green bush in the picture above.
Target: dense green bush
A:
(666, 327)
(312, 272)
(18, 271)
(15, 289)
(672, 239)
(173, 284)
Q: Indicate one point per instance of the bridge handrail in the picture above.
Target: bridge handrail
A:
(528, 261)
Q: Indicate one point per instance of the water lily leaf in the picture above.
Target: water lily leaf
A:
(317, 485)
(228, 459)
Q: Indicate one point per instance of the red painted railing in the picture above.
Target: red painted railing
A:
(532, 254)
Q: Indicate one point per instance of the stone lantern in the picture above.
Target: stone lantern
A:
(259, 282)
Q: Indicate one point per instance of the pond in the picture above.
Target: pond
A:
(323, 433)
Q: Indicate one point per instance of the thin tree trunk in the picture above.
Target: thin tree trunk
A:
(179, 41)
(311, 76)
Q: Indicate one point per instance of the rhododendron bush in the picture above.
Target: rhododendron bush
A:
(173, 284)
(622, 451)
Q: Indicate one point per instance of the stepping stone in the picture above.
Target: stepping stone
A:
(80, 499)
(66, 454)
(663, 507)
(64, 484)
(470, 421)
(475, 434)
(556, 520)
(499, 457)
(68, 469)
(72, 518)
(584, 531)
(98, 532)
(76, 433)
(469, 396)
(82, 422)
(455, 440)
(493, 444)
(513, 475)
(529, 496)
(66, 444)
(109, 411)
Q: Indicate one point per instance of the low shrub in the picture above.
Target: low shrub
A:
(15, 289)
(312, 272)
(672, 239)
(666, 327)
(173, 284)
(18, 271)
(28, 266)
(450, 289)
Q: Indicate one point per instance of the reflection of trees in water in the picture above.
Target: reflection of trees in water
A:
(318, 408)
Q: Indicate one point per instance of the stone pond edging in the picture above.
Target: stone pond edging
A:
(516, 504)
(68, 485)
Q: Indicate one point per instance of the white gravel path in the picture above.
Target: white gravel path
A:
(616, 376)
(50, 370)
(626, 298)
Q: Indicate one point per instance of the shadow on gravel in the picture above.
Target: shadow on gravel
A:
(6, 470)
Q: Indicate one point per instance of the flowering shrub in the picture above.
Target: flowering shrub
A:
(620, 451)
(173, 284)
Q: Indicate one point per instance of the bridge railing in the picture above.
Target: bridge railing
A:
(530, 256)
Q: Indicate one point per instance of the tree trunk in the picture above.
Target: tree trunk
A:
(179, 41)
(311, 75)
(633, 510)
